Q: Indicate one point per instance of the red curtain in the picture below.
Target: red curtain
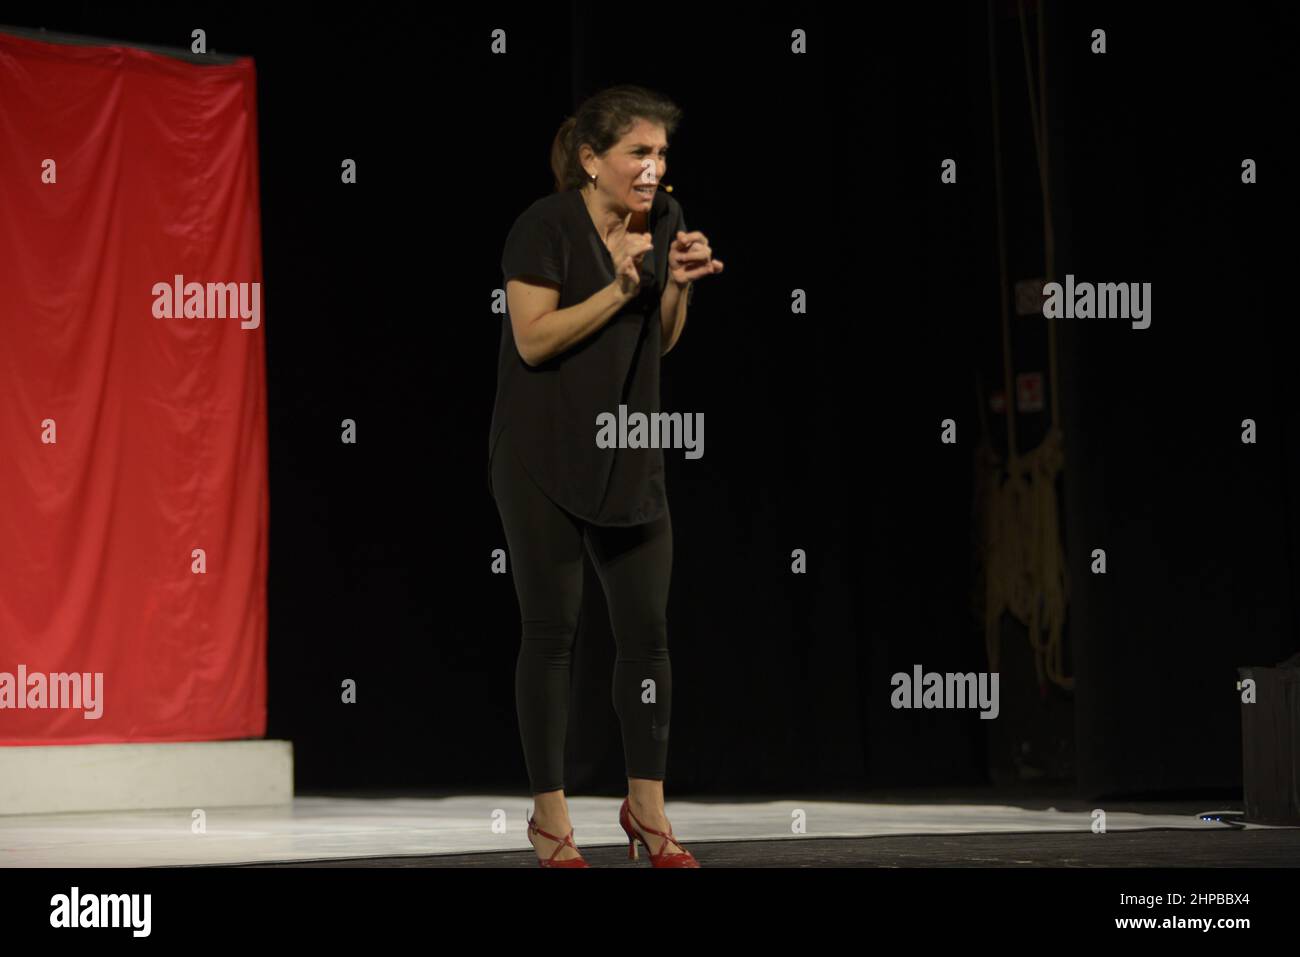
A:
(129, 440)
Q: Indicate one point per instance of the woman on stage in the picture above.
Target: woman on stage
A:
(598, 276)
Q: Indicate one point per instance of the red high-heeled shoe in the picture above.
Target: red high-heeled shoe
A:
(664, 858)
(578, 861)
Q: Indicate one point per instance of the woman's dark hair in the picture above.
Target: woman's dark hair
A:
(601, 121)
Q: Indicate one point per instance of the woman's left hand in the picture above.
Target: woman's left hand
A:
(690, 258)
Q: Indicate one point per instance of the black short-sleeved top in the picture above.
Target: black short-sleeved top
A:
(551, 408)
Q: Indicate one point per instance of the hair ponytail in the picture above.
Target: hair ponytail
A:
(561, 149)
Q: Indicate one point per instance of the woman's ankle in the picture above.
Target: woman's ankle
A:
(645, 795)
(552, 814)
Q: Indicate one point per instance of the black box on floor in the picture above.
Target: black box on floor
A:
(1270, 744)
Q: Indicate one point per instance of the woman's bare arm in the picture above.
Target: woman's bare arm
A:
(543, 331)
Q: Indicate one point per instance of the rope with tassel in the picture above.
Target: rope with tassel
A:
(1017, 526)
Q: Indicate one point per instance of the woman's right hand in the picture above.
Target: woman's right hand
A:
(627, 251)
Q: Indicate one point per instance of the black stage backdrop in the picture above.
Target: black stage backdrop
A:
(817, 172)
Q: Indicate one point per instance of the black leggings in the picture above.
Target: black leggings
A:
(634, 564)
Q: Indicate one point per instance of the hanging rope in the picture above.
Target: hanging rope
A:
(1019, 538)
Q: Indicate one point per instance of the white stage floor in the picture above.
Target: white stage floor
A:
(329, 828)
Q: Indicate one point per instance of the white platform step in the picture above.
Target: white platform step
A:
(337, 828)
(131, 777)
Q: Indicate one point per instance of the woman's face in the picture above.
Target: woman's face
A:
(630, 172)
